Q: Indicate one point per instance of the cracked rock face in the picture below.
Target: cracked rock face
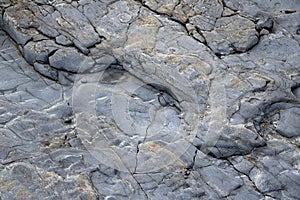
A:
(149, 99)
(231, 34)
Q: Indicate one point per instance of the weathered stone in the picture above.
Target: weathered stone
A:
(289, 122)
(290, 22)
(223, 183)
(71, 60)
(241, 164)
(16, 24)
(235, 141)
(184, 10)
(149, 99)
(46, 70)
(232, 34)
(265, 181)
(292, 184)
(39, 51)
(245, 192)
(32, 182)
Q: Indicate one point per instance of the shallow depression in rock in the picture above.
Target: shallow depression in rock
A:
(134, 124)
(147, 112)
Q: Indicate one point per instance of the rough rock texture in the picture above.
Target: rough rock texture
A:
(191, 99)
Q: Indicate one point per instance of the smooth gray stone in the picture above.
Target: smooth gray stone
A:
(241, 164)
(223, 182)
(289, 125)
(265, 181)
(292, 183)
(236, 141)
(70, 60)
(245, 192)
(253, 6)
(46, 70)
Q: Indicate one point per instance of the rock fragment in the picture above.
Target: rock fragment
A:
(70, 60)
(289, 125)
(231, 34)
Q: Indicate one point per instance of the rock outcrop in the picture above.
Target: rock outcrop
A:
(149, 99)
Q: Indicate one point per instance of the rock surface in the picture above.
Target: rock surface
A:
(149, 99)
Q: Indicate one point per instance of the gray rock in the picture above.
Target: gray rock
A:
(265, 181)
(289, 122)
(70, 60)
(292, 184)
(241, 164)
(245, 192)
(11, 21)
(202, 14)
(296, 91)
(254, 6)
(31, 180)
(39, 51)
(123, 185)
(200, 97)
(231, 34)
(289, 21)
(265, 23)
(63, 40)
(223, 183)
(235, 141)
(46, 70)
(61, 110)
